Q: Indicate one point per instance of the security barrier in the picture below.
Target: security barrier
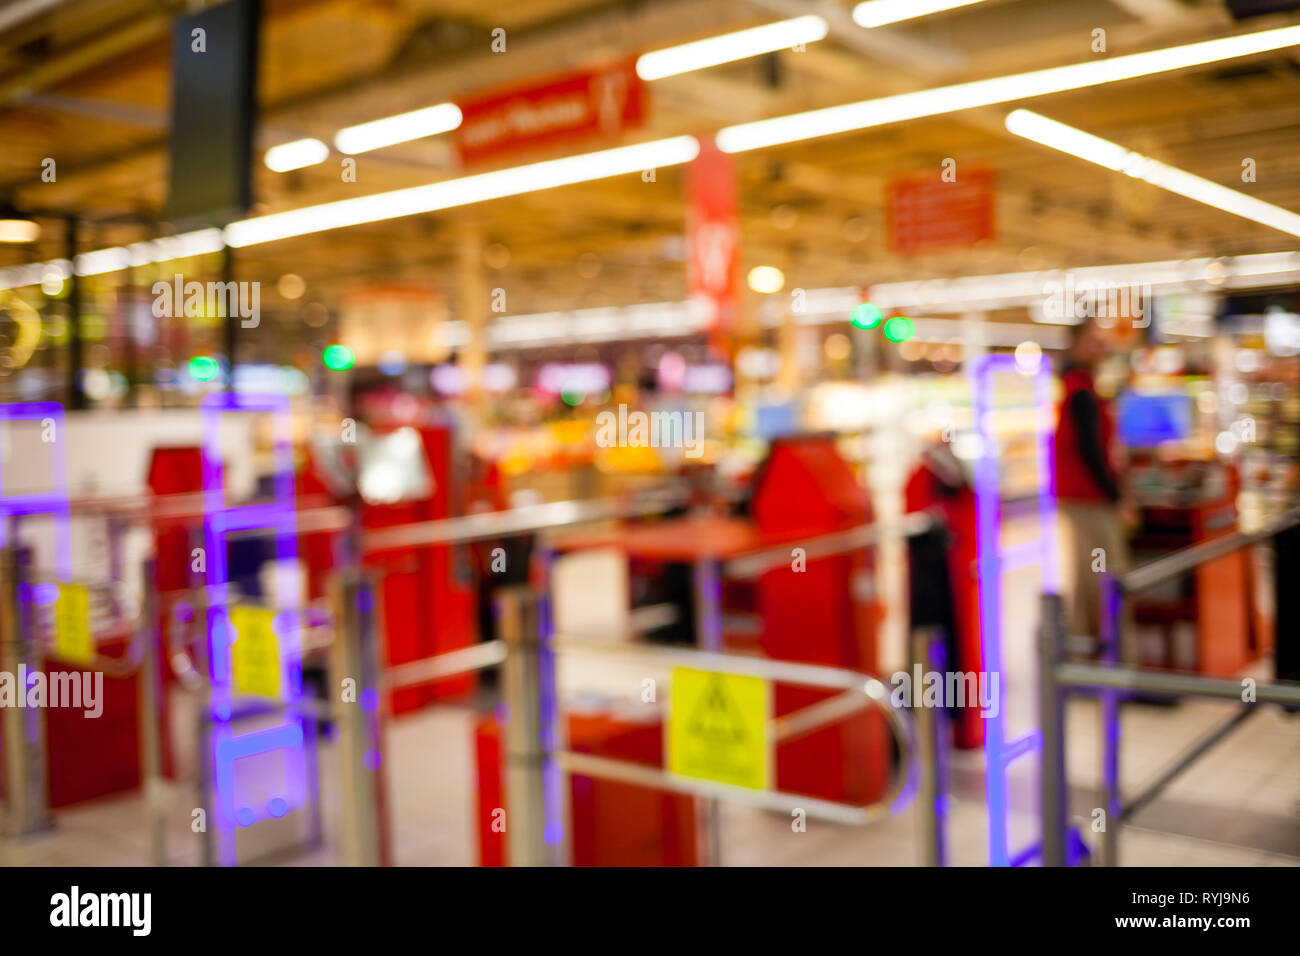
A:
(537, 762)
(1059, 678)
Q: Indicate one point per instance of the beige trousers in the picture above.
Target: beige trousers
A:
(1093, 541)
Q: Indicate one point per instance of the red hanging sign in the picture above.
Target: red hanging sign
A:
(924, 212)
(713, 241)
(588, 104)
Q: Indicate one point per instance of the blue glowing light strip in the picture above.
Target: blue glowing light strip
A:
(999, 753)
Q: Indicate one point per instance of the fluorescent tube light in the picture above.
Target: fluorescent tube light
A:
(296, 155)
(401, 128)
(876, 13)
(19, 230)
(1113, 156)
(730, 47)
(464, 191)
(1001, 89)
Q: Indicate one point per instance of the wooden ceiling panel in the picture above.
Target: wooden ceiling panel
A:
(330, 63)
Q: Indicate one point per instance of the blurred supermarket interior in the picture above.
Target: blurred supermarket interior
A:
(573, 432)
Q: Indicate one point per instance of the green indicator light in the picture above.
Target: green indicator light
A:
(338, 358)
(866, 316)
(899, 329)
(203, 368)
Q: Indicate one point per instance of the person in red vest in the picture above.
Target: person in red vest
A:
(1088, 485)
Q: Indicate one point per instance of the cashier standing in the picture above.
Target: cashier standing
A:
(1087, 480)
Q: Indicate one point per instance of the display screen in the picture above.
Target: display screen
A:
(1147, 420)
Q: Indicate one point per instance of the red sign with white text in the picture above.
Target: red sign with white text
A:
(588, 104)
(924, 212)
(713, 241)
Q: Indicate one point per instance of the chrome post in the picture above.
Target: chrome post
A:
(1051, 712)
(26, 772)
(707, 579)
(526, 750)
(1112, 604)
(149, 715)
(365, 838)
(932, 734)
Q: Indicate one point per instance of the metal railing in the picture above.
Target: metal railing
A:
(527, 650)
(536, 762)
(1058, 678)
(22, 645)
(860, 690)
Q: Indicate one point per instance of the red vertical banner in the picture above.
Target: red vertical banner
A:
(713, 244)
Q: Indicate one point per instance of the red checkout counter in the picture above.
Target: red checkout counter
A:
(87, 759)
(1183, 504)
(943, 573)
(90, 759)
(428, 595)
(826, 614)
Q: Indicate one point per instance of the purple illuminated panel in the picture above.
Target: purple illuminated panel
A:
(291, 738)
(55, 502)
(999, 752)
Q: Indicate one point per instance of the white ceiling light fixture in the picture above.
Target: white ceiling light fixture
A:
(401, 128)
(1000, 89)
(1103, 152)
(730, 47)
(296, 155)
(464, 191)
(876, 13)
(766, 279)
(19, 230)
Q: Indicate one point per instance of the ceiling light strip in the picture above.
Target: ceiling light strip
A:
(1067, 139)
(464, 191)
(876, 13)
(730, 47)
(1002, 89)
(402, 128)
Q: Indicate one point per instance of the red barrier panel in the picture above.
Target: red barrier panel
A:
(428, 606)
(612, 823)
(821, 611)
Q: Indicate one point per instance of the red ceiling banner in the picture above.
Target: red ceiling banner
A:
(713, 241)
(589, 104)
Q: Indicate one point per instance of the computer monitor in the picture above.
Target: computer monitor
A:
(1147, 420)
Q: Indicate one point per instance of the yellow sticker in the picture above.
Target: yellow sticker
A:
(255, 654)
(72, 638)
(718, 727)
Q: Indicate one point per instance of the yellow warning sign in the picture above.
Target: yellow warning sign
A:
(255, 655)
(72, 638)
(718, 727)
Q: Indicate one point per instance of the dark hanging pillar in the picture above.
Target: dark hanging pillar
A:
(76, 397)
(231, 328)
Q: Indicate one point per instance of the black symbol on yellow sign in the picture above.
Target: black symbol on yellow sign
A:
(716, 719)
(717, 727)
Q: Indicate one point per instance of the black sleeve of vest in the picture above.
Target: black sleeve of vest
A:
(1087, 428)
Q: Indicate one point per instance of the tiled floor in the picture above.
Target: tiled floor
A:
(1238, 806)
